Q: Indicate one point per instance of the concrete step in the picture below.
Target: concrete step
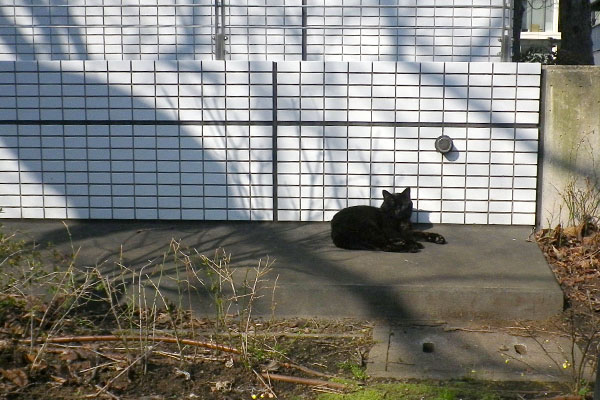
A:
(469, 352)
(488, 272)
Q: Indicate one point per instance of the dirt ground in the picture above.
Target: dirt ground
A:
(144, 367)
(317, 356)
(574, 256)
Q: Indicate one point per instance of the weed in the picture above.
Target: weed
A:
(234, 292)
(581, 193)
(133, 299)
(358, 372)
(582, 201)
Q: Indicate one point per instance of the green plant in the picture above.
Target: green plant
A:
(585, 390)
(539, 55)
(358, 372)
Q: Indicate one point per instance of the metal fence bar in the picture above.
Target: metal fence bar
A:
(219, 30)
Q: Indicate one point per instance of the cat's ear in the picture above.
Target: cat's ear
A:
(387, 195)
(406, 192)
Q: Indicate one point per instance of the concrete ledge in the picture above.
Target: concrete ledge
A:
(446, 352)
(483, 272)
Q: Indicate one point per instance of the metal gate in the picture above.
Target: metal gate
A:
(265, 30)
(362, 30)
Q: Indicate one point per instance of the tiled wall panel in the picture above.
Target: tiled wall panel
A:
(262, 141)
(136, 172)
(374, 127)
(274, 30)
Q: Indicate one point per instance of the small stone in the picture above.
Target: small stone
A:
(521, 349)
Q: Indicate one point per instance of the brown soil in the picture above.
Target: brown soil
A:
(574, 256)
(146, 369)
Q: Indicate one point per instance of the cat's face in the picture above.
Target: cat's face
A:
(399, 205)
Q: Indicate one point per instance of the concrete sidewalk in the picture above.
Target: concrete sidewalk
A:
(489, 272)
(447, 351)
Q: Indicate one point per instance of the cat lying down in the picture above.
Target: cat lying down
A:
(386, 228)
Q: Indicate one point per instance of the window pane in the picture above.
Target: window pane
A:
(537, 15)
(526, 17)
(549, 15)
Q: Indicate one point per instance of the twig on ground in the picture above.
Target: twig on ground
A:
(326, 390)
(191, 358)
(305, 370)
(304, 381)
(101, 391)
(106, 364)
(114, 338)
(456, 328)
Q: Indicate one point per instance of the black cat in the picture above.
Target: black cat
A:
(387, 228)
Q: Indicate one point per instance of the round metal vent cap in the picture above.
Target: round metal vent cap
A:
(443, 144)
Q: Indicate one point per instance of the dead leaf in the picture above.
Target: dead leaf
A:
(58, 380)
(69, 356)
(222, 386)
(163, 318)
(81, 365)
(559, 253)
(119, 384)
(29, 357)
(17, 376)
(179, 372)
(271, 366)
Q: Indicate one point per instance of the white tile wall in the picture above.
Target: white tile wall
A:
(136, 171)
(194, 140)
(349, 30)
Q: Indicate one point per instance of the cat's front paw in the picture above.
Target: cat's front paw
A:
(439, 239)
(436, 238)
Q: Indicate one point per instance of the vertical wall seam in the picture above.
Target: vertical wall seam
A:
(18, 143)
(274, 133)
(491, 118)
